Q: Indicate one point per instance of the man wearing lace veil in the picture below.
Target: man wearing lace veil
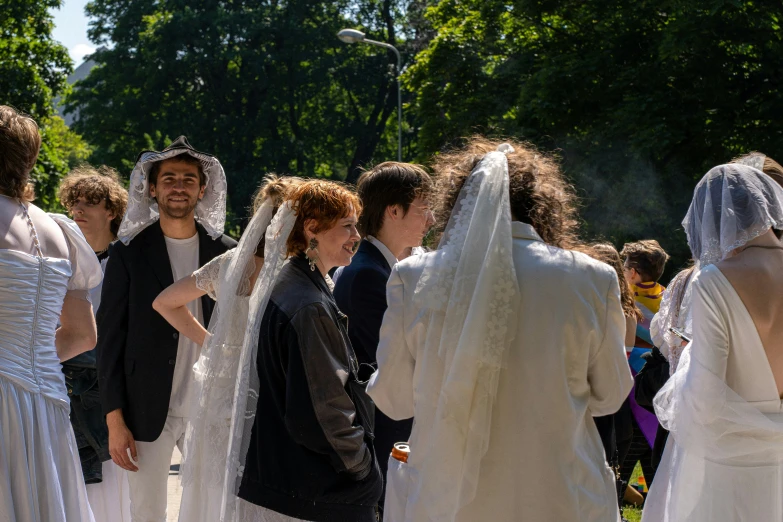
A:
(173, 225)
(502, 344)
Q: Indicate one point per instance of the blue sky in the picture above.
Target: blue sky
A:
(70, 29)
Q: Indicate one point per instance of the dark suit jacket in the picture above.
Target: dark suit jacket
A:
(360, 293)
(137, 348)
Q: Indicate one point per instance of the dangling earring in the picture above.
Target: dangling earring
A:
(312, 247)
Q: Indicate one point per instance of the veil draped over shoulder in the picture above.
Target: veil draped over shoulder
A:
(216, 441)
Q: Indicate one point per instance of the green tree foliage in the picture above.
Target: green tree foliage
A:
(265, 86)
(642, 97)
(33, 71)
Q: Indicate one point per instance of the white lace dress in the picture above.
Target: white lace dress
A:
(206, 439)
(40, 473)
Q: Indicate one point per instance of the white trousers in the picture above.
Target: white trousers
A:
(110, 500)
(148, 486)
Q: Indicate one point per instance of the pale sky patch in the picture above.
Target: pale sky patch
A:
(70, 29)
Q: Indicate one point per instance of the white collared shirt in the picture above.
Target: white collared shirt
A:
(387, 254)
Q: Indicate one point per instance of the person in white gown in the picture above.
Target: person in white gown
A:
(46, 271)
(96, 200)
(723, 460)
(502, 343)
(207, 435)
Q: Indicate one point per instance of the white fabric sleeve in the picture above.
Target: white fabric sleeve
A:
(391, 386)
(710, 330)
(608, 372)
(85, 267)
(656, 330)
(208, 277)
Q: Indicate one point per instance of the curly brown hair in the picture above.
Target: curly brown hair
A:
(95, 184)
(276, 188)
(321, 200)
(20, 143)
(540, 195)
(607, 253)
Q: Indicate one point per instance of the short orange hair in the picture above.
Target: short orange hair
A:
(321, 200)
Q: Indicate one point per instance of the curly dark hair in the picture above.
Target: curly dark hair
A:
(20, 143)
(95, 185)
(540, 195)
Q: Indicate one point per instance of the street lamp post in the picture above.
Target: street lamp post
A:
(354, 36)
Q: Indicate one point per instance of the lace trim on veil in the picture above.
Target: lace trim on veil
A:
(225, 373)
(469, 288)
(143, 210)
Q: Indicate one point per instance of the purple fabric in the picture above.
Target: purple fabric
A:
(648, 422)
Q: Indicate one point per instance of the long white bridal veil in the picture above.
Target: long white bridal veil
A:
(246, 385)
(206, 439)
(226, 372)
(470, 288)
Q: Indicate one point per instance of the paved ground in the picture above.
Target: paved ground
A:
(175, 490)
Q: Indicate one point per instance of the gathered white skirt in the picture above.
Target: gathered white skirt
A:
(40, 474)
(110, 499)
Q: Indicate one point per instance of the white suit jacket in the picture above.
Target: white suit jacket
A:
(567, 364)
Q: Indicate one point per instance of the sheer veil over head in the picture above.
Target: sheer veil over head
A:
(721, 446)
(732, 204)
(470, 290)
(143, 210)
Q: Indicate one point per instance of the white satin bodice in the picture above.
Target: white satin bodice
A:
(32, 290)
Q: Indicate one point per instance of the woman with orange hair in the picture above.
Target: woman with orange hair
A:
(301, 445)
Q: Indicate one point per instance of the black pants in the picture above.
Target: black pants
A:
(632, 446)
(88, 421)
(606, 430)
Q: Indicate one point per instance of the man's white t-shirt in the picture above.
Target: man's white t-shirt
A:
(183, 256)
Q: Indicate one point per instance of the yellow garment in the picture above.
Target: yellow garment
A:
(649, 295)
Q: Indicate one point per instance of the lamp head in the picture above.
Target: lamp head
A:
(350, 35)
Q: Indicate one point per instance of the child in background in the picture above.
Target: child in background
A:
(635, 427)
(643, 267)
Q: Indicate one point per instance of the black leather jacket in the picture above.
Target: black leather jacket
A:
(311, 453)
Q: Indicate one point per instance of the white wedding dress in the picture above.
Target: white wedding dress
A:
(724, 459)
(40, 473)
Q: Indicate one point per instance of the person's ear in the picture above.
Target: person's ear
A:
(201, 192)
(394, 211)
(152, 190)
(310, 228)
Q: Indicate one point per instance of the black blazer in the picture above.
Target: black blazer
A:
(137, 348)
(310, 454)
(360, 293)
